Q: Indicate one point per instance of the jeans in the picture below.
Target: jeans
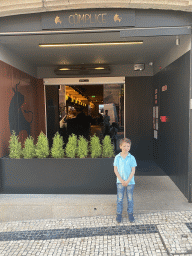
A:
(120, 195)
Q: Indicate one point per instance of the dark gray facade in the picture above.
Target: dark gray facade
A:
(172, 150)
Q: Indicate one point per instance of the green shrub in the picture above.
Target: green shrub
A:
(29, 148)
(57, 150)
(15, 149)
(95, 147)
(42, 146)
(108, 148)
(71, 147)
(82, 148)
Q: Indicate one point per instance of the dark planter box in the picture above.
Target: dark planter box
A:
(58, 176)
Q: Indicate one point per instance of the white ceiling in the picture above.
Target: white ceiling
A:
(27, 48)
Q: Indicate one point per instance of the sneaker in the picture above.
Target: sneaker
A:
(131, 217)
(118, 218)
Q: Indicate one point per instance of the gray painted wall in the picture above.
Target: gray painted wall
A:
(12, 58)
(177, 51)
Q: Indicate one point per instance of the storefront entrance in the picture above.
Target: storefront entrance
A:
(156, 114)
(86, 110)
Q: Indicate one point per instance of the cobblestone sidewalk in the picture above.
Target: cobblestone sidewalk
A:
(161, 233)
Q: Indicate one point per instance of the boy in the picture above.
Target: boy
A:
(124, 168)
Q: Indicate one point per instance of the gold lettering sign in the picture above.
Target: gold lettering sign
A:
(117, 18)
(87, 18)
(57, 20)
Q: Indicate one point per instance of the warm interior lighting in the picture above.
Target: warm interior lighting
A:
(64, 69)
(90, 44)
(100, 68)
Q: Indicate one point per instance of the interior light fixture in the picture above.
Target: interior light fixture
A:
(99, 68)
(177, 40)
(90, 44)
(64, 69)
(87, 69)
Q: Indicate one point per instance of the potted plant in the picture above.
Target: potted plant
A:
(15, 149)
(108, 148)
(95, 147)
(71, 147)
(82, 170)
(82, 148)
(57, 150)
(29, 148)
(42, 146)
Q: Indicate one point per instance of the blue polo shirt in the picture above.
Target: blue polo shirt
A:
(124, 166)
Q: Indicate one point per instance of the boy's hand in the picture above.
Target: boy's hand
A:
(124, 183)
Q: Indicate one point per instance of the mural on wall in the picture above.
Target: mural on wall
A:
(17, 120)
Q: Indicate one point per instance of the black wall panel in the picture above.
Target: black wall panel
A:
(52, 108)
(171, 147)
(139, 115)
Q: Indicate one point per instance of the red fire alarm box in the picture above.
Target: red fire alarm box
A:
(164, 119)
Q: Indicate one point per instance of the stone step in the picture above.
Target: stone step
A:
(151, 194)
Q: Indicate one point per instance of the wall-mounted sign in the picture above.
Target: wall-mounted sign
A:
(154, 123)
(164, 119)
(155, 120)
(156, 126)
(88, 19)
(164, 88)
(154, 112)
(157, 112)
(156, 96)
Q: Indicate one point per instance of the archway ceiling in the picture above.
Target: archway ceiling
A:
(27, 48)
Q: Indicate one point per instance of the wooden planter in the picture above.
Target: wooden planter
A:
(58, 176)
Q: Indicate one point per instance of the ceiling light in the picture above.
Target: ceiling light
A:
(100, 68)
(64, 69)
(177, 40)
(82, 70)
(90, 44)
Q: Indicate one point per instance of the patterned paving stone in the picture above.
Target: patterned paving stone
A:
(176, 237)
(159, 233)
(99, 245)
(82, 232)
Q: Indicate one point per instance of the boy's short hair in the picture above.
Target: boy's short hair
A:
(124, 140)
